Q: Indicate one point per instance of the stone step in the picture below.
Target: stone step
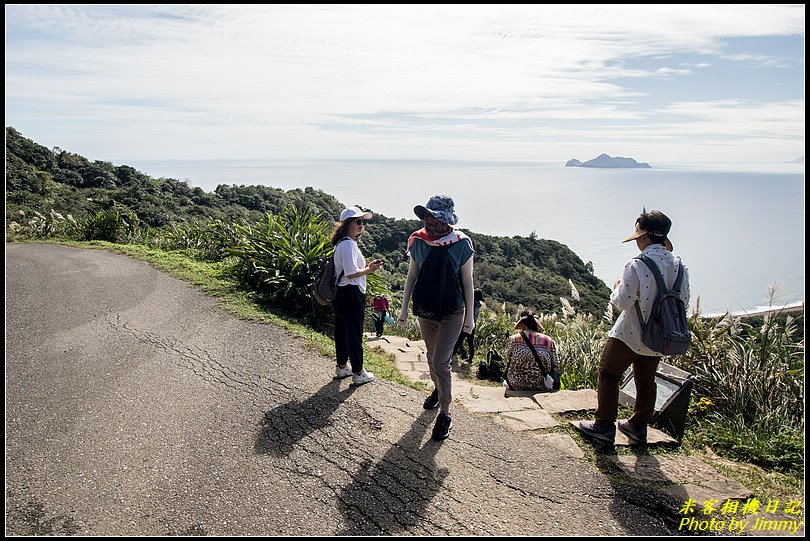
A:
(678, 478)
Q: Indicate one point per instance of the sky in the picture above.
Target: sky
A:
(661, 84)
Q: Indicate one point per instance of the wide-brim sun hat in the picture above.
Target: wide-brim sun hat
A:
(440, 207)
(654, 223)
(354, 212)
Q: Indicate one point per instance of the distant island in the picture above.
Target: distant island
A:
(605, 161)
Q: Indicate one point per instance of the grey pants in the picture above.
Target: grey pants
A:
(440, 339)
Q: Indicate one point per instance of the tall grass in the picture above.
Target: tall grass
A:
(112, 225)
(40, 226)
(750, 376)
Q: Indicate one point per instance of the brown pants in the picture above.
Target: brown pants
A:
(616, 358)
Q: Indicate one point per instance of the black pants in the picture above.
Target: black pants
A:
(470, 343)
(379, 321)
(350, 306)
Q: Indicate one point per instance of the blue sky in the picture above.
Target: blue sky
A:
(662, 84)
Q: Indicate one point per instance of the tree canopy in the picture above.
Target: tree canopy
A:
(515, 270)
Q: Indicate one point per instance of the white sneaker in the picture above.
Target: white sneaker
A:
(343, 372)
(362, 377)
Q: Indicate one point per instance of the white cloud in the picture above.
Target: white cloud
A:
(308, 79)
(672, 71)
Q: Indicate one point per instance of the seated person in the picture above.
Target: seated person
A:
(523, 372)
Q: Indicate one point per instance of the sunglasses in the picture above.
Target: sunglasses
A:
(361, 222)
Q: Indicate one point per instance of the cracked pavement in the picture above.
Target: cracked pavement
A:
(135, 405)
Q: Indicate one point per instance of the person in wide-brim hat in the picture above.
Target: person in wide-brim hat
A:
(655, 224)
(440, 207)
(634, 293)
(444, 309)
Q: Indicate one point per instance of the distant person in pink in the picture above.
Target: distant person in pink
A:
(380, 305)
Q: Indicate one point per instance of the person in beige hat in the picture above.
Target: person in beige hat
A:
(624, 346)
(655, 225)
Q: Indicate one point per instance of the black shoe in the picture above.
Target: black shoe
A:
(636, 435)
(442, 427)
(432, 401)
(602, 434)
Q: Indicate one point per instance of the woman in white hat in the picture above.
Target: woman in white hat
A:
(350, 300)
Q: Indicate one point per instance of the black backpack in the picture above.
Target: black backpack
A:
(666, 331)
(491, 369)
(325, 287)
(438, 286)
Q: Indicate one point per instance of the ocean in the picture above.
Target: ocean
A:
(739, 232)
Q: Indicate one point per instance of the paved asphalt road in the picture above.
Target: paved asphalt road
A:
(135, 405)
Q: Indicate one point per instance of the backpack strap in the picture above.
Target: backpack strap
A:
(676, 286)
(678, 279)
(536, 355)
(659, 280)
(342, 272)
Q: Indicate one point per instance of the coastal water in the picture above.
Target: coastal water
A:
(738, 232)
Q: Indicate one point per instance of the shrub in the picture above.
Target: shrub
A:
(110, 225)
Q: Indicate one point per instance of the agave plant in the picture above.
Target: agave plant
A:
(211, 240)
(111, 225)
(221, 237)
(282, 256)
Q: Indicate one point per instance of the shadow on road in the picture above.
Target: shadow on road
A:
(284, 426)
(646, 489)
(392, 495)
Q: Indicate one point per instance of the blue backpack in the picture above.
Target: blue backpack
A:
(666, 331)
